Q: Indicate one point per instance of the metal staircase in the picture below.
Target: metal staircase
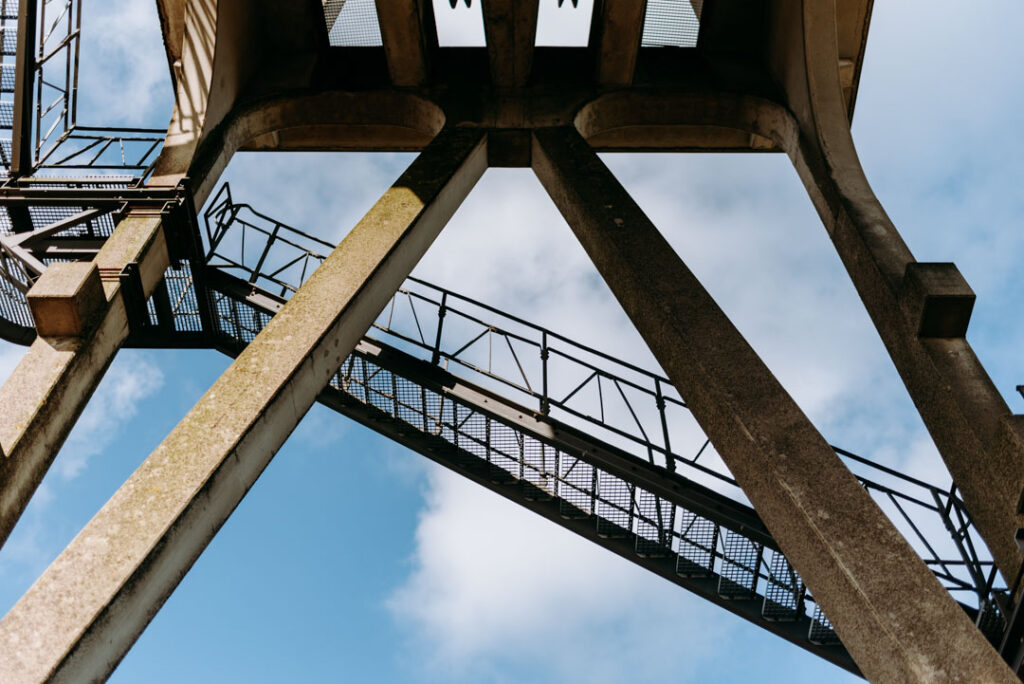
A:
(600, 446)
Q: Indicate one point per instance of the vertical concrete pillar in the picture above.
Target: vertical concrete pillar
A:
(920, 310)
(618, 29)
(43, 397)
(510, 28)
(78, 620)
(408, 34)
(892, 614)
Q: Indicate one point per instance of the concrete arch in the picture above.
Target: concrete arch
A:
(340, 121)
(689, 121)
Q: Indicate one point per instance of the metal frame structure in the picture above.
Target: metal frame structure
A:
(652, 467)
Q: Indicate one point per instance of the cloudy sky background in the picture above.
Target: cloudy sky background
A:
(353, 559)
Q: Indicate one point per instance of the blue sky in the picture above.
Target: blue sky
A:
(353, 559)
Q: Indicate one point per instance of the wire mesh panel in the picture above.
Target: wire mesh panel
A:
(354, 23)
(654, 524)
(506, 451)
(181, 291)
(741, 559)
(671, 23)
(784, 590)
(698, 540)
(14, 283)
(540, 468)
(576, 484)
(614, 506)
(821, 631)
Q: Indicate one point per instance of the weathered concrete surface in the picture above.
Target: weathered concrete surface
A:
(510, 28)
(67, 299)
(43, 397)
(893, 616)
(402, 24)
(962, 408)
(618, 30)
(78, 620)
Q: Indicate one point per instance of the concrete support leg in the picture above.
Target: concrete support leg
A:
(81, 326)
(78, 620)
(920, 310)
(894, 617)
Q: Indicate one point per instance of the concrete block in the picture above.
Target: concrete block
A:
(67, 299)
(938, 299)
(509, 148)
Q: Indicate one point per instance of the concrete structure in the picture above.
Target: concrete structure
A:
(261, 75)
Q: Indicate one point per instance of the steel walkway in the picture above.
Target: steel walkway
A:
(597, 445)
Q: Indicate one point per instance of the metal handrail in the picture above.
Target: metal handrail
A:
(645, 396)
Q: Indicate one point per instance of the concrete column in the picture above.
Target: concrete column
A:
(920, 310)
(404, 27)
(618, 30)
(510, 28)
(43, 397)
(892, 614)
(78, 620)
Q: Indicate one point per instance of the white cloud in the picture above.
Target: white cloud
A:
(493, 585)
(131, 378)
(125, 79)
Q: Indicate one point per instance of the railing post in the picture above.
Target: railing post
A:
(435, 357)
(545, 404)
(266, 251)
(659, 400)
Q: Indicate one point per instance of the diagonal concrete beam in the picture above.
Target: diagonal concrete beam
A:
(403, 29)
(78, 620)
(510, 27)
(892, 614)
(48, 390)
(920, 310)
(618, 29)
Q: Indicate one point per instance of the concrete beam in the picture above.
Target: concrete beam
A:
(67, 300)
(48, 390)
(78, 620)
(618, 30)
(892, 614)
(510, 28)
(919, 310)
(402, 29)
